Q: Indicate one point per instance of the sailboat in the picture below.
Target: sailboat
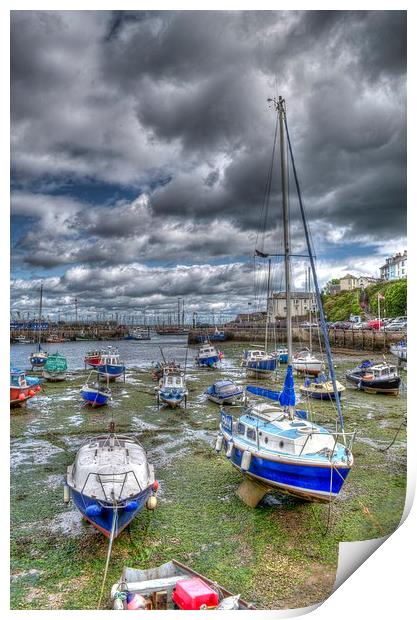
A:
(111, 481)
(258, 362)
(38, 358)
(275, 444)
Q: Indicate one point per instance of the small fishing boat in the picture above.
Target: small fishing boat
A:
(110, 482)
(208, 356)
(159, 368)
(55, 368)
(22, 387)
(172, 389)
(399, 349)
(224, 392)
(22, 340)
(259, 363)
(95, 394)
(281, 354)
(218, 335)
(375, 378)
(55, 339)
(110, 366)
(321, 388)
(172, 586)
(306, 363)
(92, 358)
(138, 334)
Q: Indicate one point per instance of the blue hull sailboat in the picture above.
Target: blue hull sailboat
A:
(95, 394)
(37, 359)
(111, 481)
(276, 444)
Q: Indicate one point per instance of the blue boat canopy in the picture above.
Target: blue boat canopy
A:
(287, 397)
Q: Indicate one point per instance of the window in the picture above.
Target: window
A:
(240, 429)
(250, 433)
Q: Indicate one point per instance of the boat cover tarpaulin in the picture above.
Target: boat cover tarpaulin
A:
(271, 394)
(287, 396)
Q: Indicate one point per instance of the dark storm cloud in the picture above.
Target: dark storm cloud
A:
(171, 106)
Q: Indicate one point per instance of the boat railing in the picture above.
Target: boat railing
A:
(114, 479)
(347, 438)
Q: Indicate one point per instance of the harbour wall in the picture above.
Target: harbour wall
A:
(347, 339)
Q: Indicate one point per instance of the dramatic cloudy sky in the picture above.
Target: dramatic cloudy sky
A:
(141, 144)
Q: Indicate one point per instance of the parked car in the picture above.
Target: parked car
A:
(396, 326)
(361, 325)
(375, 324)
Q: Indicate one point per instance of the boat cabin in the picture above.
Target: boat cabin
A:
(268, 428)
(381, 371)
(207, 350)
(173, 380)
(18, 378)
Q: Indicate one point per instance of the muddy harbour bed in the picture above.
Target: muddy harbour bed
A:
(280, 555)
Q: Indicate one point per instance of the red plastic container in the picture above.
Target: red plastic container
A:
(193, 593)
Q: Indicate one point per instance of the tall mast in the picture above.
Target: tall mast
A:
(309, 308)
(267, 304)
(40, 316)
(280, 106)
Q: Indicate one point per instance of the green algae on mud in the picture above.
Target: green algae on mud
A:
(279, 555)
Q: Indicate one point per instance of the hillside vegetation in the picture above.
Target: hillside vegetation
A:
(339, 307)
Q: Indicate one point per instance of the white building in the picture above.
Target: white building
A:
(301, 304)
(395, 267)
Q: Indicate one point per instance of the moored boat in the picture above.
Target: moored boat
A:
(208, 356)
(259, 363)
(281, 354)
(22, 387)
(277, 445)
(159, 368)
(92, 358)
(38, 358)
(224, 392)
(321, 388)
(399, 349)
(373, 378)
(171, 586)
(111, 481)
(306, 363)
(138, 334)
(172, 389)
(55, 368)
(110, 366)
(95, 394)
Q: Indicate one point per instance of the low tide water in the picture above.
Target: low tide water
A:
(281, 554)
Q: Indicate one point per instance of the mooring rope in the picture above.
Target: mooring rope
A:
(113, 529)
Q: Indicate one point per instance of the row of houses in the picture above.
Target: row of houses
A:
(395, 268)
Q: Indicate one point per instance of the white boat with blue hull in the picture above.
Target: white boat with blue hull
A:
(208, 356)
(286, 453)
(110, 366)
(274, 444)
(172, 389)
(111, 481)
(259, 363)
(399, 349)
(224, 392)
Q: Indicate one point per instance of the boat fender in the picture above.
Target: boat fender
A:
(132, 505)
(155, 485)
(229, 449)
(246, 459)
(67, 496)
(118, 603)
(93, 510)
(21, 396)
(219, 443)
(152, 502)
(31, 392)
(135, 601)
